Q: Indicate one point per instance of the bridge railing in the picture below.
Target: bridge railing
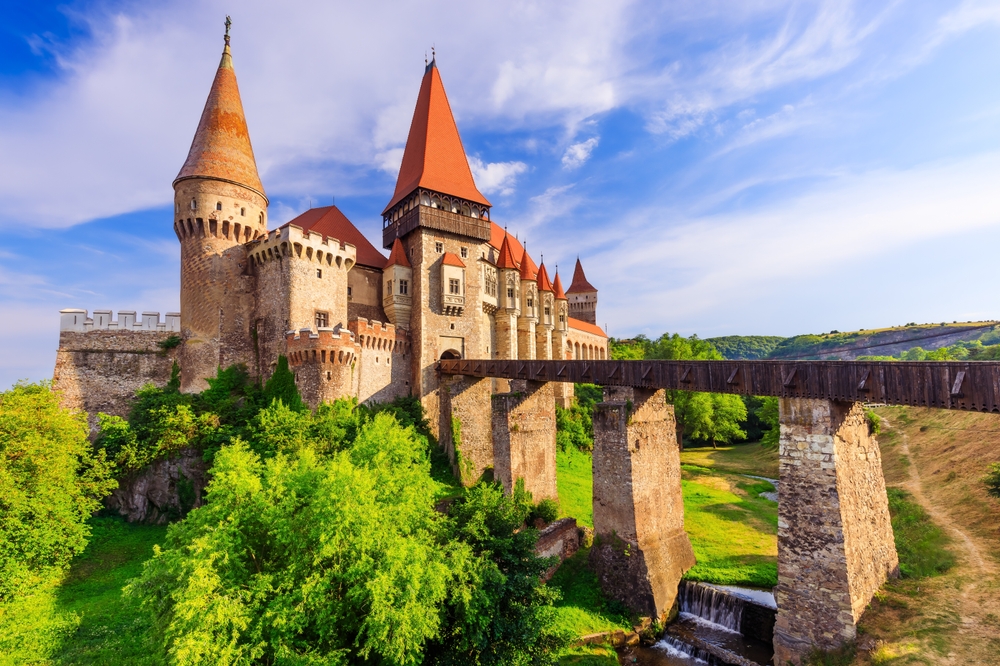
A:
(971, 386)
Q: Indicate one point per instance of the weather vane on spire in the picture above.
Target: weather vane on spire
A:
(229, 22)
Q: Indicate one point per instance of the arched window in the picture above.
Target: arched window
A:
(194, 204)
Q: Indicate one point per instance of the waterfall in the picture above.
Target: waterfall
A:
(710, 604)
(677, 648)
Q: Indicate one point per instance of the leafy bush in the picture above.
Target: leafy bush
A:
(547, 511)
(992, 480)
(768, 415)
(874, 422)
(50, 482)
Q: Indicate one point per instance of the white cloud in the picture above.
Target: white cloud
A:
(688, 268)
(578, 153)
(496, 177)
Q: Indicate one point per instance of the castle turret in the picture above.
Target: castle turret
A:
(442, 221)
(560, 340)
(508, 300)
(397, 277)
(526, 323)
(582, 297)
(546, 314)
(219, 204)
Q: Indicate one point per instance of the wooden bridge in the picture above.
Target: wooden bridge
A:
(972, 386)
(835, 540)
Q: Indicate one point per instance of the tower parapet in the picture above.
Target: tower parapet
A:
(77, 321)
(323, 362)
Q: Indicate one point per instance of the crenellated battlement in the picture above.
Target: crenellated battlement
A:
(379, 336)
(325, 345)
(291, 241)
(77, 321)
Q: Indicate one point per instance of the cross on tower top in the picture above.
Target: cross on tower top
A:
(229, 22)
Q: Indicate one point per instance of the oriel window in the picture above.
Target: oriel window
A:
(404, 287)
(454, 286)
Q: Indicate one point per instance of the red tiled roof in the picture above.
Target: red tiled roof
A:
(505, 258)
(434, 157)
(586, 327)
(497, 234)
(558, 288)
(329, 221)
(580, 283)
(398, 255)
(451, 259)
(544, 284)
(221, 147)
(528, 269)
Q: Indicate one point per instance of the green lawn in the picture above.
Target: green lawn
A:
(575, 484)
(83, 619)
(739, 459)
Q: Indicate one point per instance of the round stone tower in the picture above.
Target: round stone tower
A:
(219, 204)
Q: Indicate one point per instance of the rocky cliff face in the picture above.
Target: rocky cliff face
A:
(165, 491)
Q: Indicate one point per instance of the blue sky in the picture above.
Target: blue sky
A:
(720, 167)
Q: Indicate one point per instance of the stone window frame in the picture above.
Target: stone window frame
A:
(322, 319)
(404, 287)
(454, 286)
(438, 247)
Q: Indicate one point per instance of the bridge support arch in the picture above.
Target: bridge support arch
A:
(641, 550)
(835, 541)
(524, 438)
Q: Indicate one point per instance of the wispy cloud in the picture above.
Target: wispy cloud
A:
(578, 153)
(496, 177)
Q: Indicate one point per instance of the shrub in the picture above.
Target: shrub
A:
(874, 422)
(51, 482)
(547, 511)
(992, 480)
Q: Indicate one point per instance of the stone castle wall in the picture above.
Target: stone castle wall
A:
(383, 361)
(100, 371)
(524, 438)
(323, 362)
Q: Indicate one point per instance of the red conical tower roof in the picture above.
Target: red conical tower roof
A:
(434, 157)
(221, 148)
(544, 284)
(528, 269)
(398, 255)
(505, 258)
(580, 283)
(558, 288)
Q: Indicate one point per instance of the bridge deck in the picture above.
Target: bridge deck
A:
(972, 386)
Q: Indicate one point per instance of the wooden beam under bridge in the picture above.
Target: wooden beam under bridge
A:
(965, 385)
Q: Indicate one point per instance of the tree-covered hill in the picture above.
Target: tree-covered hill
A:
(745, 346)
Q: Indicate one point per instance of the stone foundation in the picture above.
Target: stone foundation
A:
(835, 542)
(641, 549)
(559, 539)
(465, 428)
(524, 438)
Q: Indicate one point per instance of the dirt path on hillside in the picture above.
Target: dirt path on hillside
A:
(969, 590)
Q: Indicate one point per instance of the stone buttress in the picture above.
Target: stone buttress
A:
(524, 438)
(641, 550)
(835, 541)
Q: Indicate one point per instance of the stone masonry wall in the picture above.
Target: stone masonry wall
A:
(524, 438)
(835, 542)
(381, 348)
(642, 550)
(466, 405)
(100, 371)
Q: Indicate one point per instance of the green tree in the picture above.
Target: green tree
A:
(281, 386)
(992, 480)
(50, 482)
(306, 558)
(499, 613)
(768, 415)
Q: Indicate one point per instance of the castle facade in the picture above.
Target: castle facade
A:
(351, 320)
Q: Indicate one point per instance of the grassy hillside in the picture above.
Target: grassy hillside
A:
(936, 459)
(883, 341)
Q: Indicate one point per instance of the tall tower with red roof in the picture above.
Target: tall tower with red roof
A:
(219, 204)
(582, 297)
(441, 220)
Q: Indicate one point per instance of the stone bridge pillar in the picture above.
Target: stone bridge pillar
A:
(464, 430)
(835, 542)
(642, 549)
(524, 438)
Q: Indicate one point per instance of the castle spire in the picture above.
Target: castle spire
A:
(505, 257)
(580, 283)
(528, 269)
(398, 256)
(434, 157)
(221, 147)
(558, 288)
(544, 284)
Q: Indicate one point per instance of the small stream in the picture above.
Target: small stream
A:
(717, 625)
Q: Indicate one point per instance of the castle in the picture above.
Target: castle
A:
(351, 321)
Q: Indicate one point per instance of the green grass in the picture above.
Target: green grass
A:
(738, 458)
(583, 609)
(575, 484)
(83, 618)
(921, 545)
(732, 530)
